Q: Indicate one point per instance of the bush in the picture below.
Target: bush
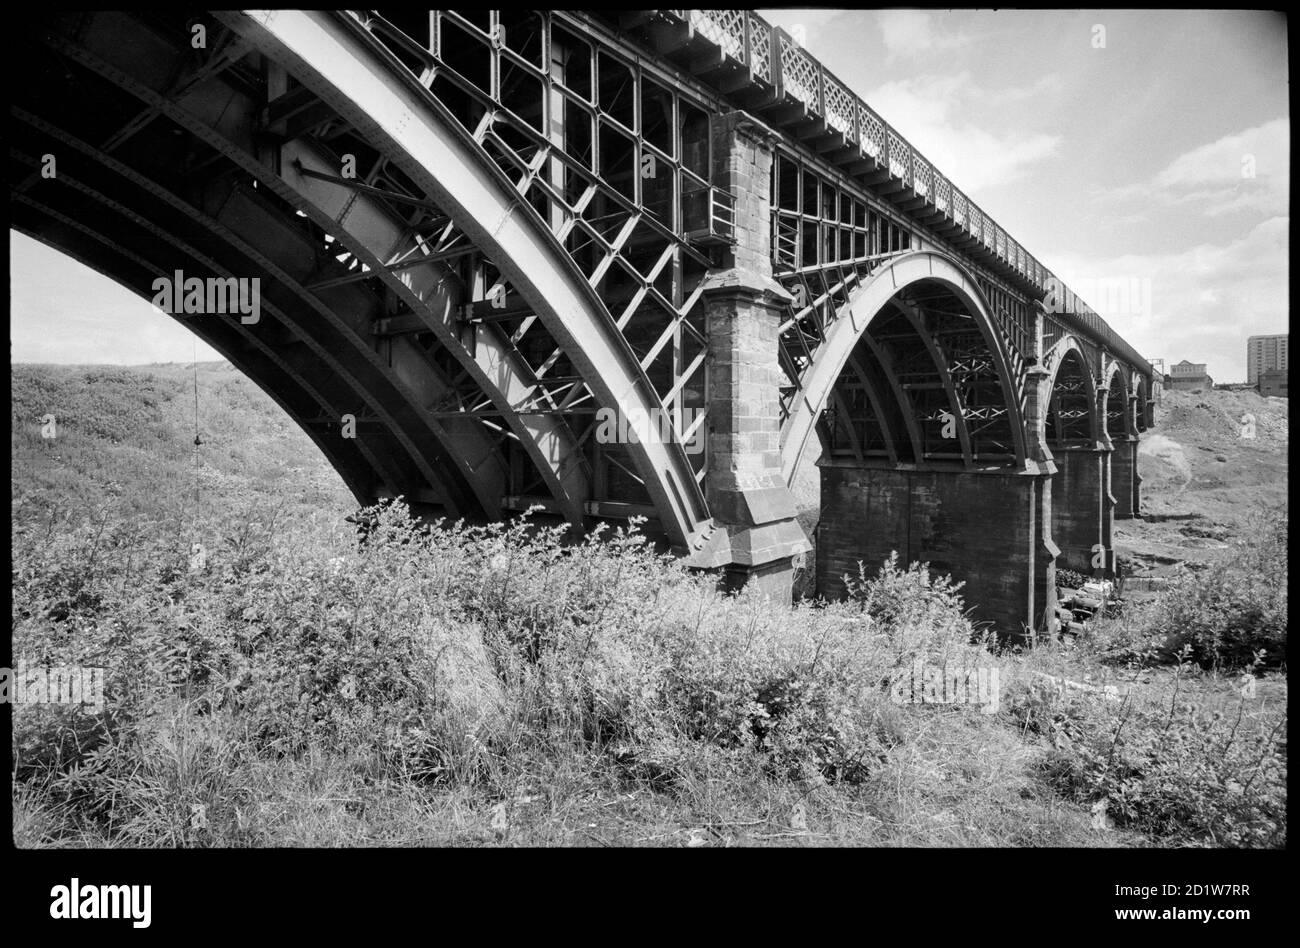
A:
(1228, 614)
(437, 653)
(1069, 579)
(1186, 769)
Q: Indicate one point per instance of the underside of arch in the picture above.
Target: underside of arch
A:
(912, 371)
(1072, 410)
(1121, 417)
(331, 55)
(1144, 403)
(170, 163)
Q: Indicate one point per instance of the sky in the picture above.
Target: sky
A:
(1142, 150)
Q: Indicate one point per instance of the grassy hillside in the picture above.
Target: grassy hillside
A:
(497, 686)
(124, 443)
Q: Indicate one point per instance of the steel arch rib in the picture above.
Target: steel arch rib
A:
(369, 361)
(331, 59)
(1057, 356)
(502, 377)
(877, 406)
(1143, 390)
(128, 175)
(917, 321)
(552, 451)
(856, 315)
(378, 465)
(1111, 370)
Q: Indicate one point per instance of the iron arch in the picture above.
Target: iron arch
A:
(332, 57)
(1140, 385)
(1068, 355)
(1119, 416)
(864, 304)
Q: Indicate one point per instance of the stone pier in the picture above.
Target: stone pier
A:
(1083, 510)
(989, 529)
(758, 538)
(1124, 478)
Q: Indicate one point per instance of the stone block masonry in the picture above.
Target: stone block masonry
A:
(989, 530)
(1125, 481)
(1083, 511)
(758, 537)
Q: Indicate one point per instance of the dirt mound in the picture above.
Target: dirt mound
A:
(1215, 462)
(1221, 417)
(1162, 458)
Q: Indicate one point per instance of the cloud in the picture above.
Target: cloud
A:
(935, 113)
(1246, 171)
(1047, 84)
(806, 25)
(913, 32)
(1205, 300)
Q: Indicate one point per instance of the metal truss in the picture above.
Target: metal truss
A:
(765, 69)
(911, 356)
(1072, 418)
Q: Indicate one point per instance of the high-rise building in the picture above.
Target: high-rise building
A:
(1264, 353)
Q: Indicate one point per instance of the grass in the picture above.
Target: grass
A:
(512, 685)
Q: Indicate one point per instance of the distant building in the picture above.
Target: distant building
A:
(1273, 382)
(1264, 353)
(1188, 375)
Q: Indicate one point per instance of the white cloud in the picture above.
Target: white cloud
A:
(1246, 171)
(805, 25)
(934, 114)
(1223, 160)
(913, 33)
(1205, 300)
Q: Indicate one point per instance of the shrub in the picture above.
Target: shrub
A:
(437, 653)
(1069, 579)
(1229, 613)
(1184, 768)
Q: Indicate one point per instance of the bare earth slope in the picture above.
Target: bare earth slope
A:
(1204, 479)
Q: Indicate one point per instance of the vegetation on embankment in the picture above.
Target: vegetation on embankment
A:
(513, 686)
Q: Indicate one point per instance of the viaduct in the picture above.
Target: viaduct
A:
(480, 235)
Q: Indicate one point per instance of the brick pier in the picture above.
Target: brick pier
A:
(990, 530)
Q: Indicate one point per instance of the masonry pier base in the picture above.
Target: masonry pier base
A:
(1125, 480)
(989, 529)
(1083, 511)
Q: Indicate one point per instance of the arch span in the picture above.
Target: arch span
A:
(869, 300)
(1144, 419)
(1073, 413)
(336, 59)
(1121, 422)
